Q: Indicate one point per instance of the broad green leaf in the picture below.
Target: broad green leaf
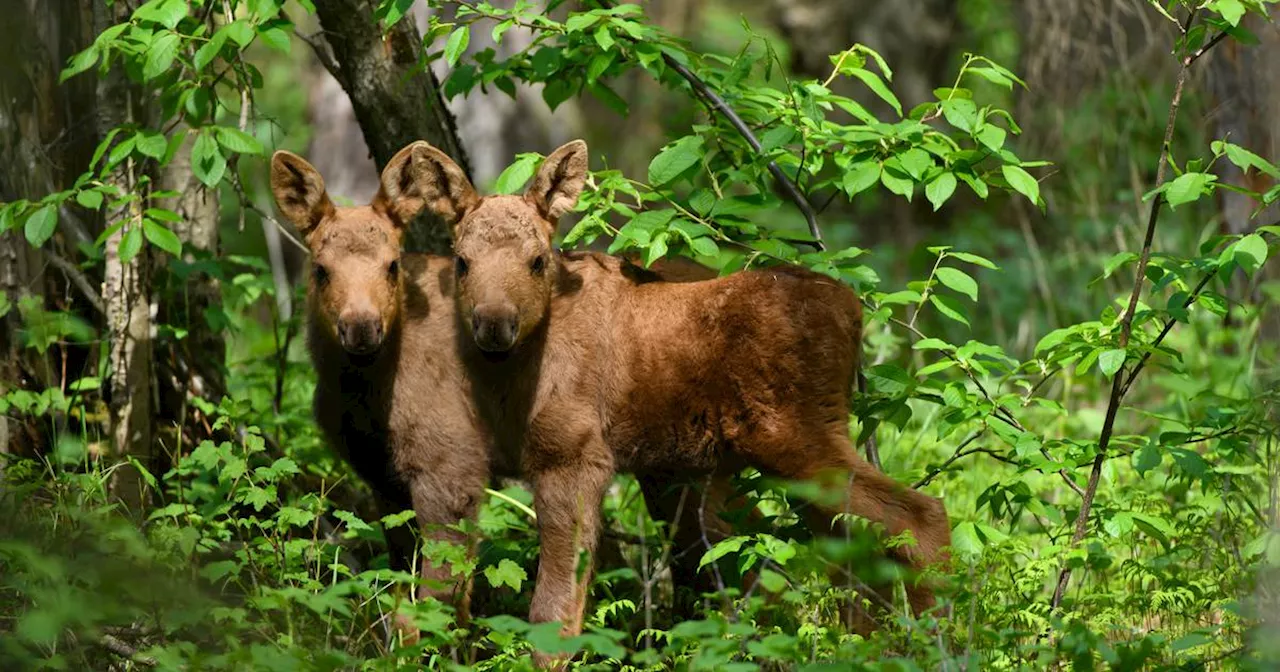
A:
(961, 113)
(958, 280)
(130, 244)
(1231, 10)
(517, 174)
(1022, 182)
(152, 144)
(456, 44)
(1147, 458)
(705, 247)
(79, 63)
(1187, 188)
(949, 307)
(915, 161)
(940, 189)
(507, 573)
(237, 141)
(965, 541)
(673, 160)
(1111, 360)
(41, 225)
(898, 185)
(167, 13)
(993, 76)
(89, 199)
(240, 32)
(161, 237)
(396, 10)
(861, 177)
(276, 37)
(160, 55)
(207, 162)
(1250, 252)
(992, 137)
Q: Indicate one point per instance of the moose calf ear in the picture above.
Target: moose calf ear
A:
(421, 175)
(555, 189)
(299, 191)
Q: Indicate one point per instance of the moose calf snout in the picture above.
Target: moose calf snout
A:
(360, 334)
(494, 327)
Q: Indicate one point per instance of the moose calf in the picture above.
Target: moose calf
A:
(581, 367)
(392, 395)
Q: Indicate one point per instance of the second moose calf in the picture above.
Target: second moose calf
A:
(581, 367)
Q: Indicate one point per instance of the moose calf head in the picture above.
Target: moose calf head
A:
(505, 264)
(355, 252)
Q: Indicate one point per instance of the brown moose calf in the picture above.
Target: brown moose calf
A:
(583, 368)
(391, 395)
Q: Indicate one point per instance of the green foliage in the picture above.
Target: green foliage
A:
(261, 552)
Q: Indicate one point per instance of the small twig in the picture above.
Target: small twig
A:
(322, 52)
(120, 648)
(78, 279)
(960, 452)
(1118, 386)
(270, 218)
(1168, 326)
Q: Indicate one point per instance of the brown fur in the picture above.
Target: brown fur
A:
(399, 409)
(392, 397)
(582, 368)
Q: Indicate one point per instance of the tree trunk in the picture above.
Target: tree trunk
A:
(395, 100)
(192, 366)
(126, 296)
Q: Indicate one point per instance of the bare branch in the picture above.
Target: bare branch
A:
(77, 278)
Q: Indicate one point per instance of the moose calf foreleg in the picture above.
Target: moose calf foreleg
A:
(567, 500)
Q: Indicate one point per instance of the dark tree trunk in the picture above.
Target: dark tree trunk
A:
(395, 100)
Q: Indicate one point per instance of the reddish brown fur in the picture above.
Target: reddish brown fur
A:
(399, 409)
(583, 367)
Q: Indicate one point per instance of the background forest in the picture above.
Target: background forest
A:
(1058, 214)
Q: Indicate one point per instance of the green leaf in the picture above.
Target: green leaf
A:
(959, 281)
(949, 307)
(457, 44)
(275, 37)
(79, 63)
(1188, 187)
(152, 144)
(961, 113)
(396, 10)
(1022, 182)
(41, 225)
(237, 141)
(1148, 458)
(130, 245)
(90, 199)
(940, 189)
(705, 247)
(674, 159)
(517, 174)
(207, 162)
(992, 137)
(965, 541)
(898, 185)
(240, 32)
(1231, 10)
(992, 75)
(167, 13)
(1111, 360)
(915, 161)
(161, 237)
(721, 549)
(1245, 159)
(861, 177)
(877, 86)
(1250, 252)
(507, 573)
(160, 55)
(974, 259)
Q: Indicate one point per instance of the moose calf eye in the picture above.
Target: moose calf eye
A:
(320, 273)
(393, 269)
(460, 266)
(538, 264)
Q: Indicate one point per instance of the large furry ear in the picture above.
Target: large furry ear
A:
(555, 189)
(299, 191)
(423, 175)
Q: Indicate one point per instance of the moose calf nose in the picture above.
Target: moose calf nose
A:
(494, 328)
(360, 334)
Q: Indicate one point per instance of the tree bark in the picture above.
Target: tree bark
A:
(126, 295)
(395, 100)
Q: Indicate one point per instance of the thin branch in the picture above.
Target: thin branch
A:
(81, 282)
(322, 52)
(120, 648)
(1118, 386)
(1168, 326)
(955, 456)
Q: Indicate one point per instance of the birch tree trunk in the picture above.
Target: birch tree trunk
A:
(126, 296)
